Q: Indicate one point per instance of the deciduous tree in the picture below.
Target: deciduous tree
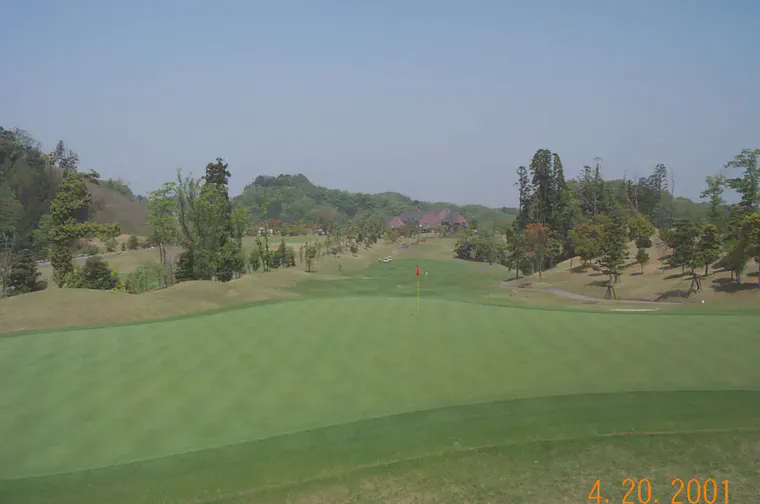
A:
(586, 239)
(231, 262)
(714, 195)
(241, 221)
(751, 237)
(163, 226)
(748, 185)
(310, 254)
(685, 239)
(69, 211)
(537, 238)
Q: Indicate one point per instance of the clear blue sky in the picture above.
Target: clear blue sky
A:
(438, 99)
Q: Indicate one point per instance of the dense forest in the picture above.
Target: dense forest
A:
(595, 220)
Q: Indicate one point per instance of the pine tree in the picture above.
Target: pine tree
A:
(23, 276)
(526, 196)
(561, 213)
(543, 184)
(685, 248)
(614, 246)
(709, 246)
(642, 258)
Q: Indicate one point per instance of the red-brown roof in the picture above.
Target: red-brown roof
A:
(396, 222)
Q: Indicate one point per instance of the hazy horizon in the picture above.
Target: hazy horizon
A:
(438, 101)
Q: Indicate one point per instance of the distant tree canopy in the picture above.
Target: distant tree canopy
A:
(294, 198)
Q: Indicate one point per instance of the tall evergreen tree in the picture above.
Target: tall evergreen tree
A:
(543, 183)
(217, 177)
(561, 216)
(614, 244)
(526, 195)
(591, 190)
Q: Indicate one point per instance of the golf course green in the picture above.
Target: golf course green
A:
(273, 398)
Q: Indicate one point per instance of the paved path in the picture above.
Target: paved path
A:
(581, 297)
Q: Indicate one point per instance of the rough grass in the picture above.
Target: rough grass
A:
(79, 307)
(657, 282)
(557, 472)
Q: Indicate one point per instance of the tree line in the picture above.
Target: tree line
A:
(595, 220)
(287, 201)
(46, 210)
(45, 207)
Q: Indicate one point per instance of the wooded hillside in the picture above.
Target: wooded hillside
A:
(294, 198)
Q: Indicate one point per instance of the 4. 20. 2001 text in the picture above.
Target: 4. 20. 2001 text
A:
(692, 491)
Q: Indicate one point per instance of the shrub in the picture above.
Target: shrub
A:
(23, 276)
(123, 246)
(254, 260)
(97, 275)
(231, 262)
(290, 258)
(145, 278)
(129, 285)
(133, 243)
(111, 245)
(185, 265)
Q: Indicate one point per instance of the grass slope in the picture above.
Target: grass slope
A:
(658, 281)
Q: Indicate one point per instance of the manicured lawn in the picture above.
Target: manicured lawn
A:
(256, 403)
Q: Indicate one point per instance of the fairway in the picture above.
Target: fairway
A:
(235, 388)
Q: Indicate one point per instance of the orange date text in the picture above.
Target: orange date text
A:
(680, 491)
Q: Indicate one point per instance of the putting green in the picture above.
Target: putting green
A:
(83, 399)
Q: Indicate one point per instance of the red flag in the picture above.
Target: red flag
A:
(418, 271)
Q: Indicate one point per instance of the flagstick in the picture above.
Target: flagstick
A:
(418, 295)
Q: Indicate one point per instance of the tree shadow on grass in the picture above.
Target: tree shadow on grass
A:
(673, 294)
(578, 269)
(513, 279)
(675, 275)
(598, 283)
(637, 273)
(728, 285)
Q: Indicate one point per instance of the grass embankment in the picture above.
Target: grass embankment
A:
(80, 307)
(656, 282)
